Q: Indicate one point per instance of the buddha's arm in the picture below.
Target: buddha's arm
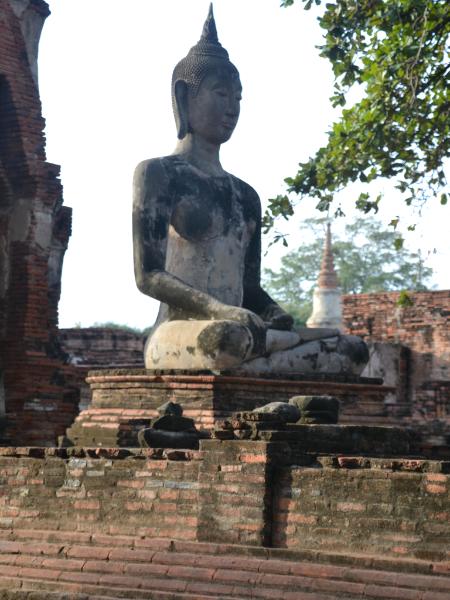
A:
(255, 298)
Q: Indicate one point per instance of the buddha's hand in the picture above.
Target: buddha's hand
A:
(247, 318)
(277, 318)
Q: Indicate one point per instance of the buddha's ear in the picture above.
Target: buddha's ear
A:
(181, 115)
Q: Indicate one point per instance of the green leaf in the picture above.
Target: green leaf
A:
(404, 299)
(394, 223)
(398, 243)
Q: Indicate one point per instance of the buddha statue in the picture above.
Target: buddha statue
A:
(197, 245)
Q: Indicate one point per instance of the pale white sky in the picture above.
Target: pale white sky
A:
(105, 68)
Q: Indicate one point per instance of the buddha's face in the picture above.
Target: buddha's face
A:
(214, 111)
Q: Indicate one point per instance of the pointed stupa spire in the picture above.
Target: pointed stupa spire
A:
(327, 276)
(327, 309)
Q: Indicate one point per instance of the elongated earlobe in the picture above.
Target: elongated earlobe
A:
(181, 113)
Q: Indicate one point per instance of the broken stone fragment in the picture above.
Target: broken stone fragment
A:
(321, 416)
(158, 438)
(315, 403)
(170, 430)
(287, 413)
(317, 409)
(173, 423)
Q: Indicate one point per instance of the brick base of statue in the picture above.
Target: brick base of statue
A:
(125, 400)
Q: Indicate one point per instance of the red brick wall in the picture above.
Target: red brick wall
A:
(424, 328)
(105, 493)
(233, 492)
(103, 347)
(377, 506)
(34, 227)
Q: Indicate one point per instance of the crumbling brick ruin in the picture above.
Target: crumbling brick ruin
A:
(89, 348)
(34, 232)
(417, 338)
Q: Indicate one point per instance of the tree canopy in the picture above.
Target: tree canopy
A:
(365, 260)
(399, 52)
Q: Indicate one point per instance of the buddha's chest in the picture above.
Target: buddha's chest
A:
(208, 209)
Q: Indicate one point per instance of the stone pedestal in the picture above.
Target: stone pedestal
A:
(125, 400)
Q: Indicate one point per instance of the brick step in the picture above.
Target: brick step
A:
(141, 568)
(29, 589)
(52, 542)
(36, 590)
(113, 588)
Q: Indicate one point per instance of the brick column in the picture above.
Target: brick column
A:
(235, 494)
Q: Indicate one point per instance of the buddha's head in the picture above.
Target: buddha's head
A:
(206, 89)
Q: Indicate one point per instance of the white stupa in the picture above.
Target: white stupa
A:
(327, 306)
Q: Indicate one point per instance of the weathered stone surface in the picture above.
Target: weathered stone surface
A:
(318, 419)
(309, 403)
(373, 441)
(173, 423)
(170, 430)
(285, 412)
(170, 408)
(316, 409)
(160, 438)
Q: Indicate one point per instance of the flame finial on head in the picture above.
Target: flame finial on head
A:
(207, 53)
(209, 33)
(209, 44)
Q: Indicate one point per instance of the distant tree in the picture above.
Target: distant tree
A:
(398, 52)
(365, 260)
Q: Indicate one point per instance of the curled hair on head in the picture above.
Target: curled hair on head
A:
(207, 56)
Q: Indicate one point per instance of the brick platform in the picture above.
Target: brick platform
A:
(125, 400)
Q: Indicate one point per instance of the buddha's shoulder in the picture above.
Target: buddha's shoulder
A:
(246, 190)
(155, 167)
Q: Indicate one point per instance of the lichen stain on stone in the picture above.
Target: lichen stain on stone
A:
(313, 358)
(191, 350)
(219, 337)
(210, 338)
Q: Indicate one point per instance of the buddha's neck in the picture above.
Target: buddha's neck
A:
(202, 154)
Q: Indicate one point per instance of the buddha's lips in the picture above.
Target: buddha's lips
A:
(228, 125)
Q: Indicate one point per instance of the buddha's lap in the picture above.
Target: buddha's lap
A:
(192, 344)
